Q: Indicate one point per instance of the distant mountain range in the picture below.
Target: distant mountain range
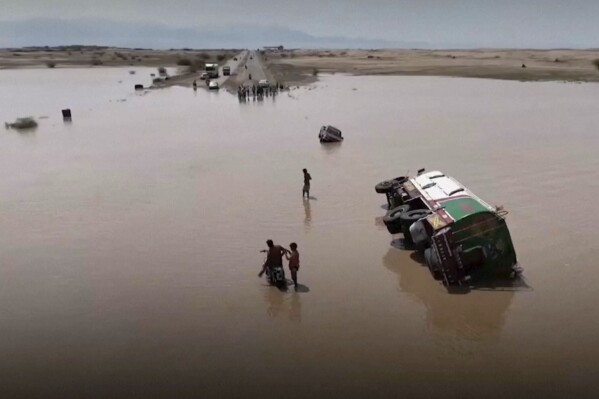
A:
(56, 32)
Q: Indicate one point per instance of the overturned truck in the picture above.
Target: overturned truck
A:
(463, 238)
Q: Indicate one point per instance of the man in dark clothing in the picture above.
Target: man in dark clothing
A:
(306, 189)
(274, 257)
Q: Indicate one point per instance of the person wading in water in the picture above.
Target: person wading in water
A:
(274, 256)
(293, 258)
(306, 189)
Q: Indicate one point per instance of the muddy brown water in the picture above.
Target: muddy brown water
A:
(129, 240)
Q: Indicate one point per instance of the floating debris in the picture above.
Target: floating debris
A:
(22, 123)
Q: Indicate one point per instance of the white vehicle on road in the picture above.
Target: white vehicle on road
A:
(212, 70)
(204, 75)
(213, 85)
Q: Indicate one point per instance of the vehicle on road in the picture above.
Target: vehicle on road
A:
(263, 83)
(212, 70)
(226, 70)
(463, 238)
(213, 85)
(204, 75)
(330, 134)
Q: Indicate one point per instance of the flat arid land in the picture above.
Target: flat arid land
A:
(298, 67)
(189, 61)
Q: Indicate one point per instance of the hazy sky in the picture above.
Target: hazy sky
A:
(509, 23)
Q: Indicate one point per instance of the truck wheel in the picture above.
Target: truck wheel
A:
(406, 220)
(384, 187)
(392, 219)
(433, 263)
(388, 185)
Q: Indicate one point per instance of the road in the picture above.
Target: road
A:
(255, 67)
(240, 75)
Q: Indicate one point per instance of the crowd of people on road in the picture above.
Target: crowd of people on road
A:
(257, 91)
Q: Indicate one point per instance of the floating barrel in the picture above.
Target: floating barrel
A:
(139, 87)
(66, 113)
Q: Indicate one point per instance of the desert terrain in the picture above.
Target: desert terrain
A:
(299, 67)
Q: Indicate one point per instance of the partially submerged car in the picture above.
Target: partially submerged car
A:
(330, 134)
(213, 85)
(204, 75)
(463, 238)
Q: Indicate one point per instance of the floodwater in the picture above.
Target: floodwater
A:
(130, 238)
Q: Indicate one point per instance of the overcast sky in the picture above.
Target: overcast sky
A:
(493, 23)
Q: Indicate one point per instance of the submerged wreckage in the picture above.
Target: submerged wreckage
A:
(463, 238)
(330, 134)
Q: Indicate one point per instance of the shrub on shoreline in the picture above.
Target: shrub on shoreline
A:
(50, 64)
(596, 63)
(184, 62)
(162, 70)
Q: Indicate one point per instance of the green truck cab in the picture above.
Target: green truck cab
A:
(463, 238)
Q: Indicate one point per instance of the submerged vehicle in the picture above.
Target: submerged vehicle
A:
(330, 134)
(213, 85)
(463, 238)
(274, 275)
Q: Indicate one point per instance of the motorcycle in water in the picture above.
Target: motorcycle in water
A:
(275, 275)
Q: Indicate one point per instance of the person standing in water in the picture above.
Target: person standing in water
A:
(306, 189)
(274, 256)
(293, 258)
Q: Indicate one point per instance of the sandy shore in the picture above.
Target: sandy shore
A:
(302, 66)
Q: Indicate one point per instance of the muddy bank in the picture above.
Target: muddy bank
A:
(300, 66)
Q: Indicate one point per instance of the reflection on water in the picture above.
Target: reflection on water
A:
(307, 212)
(331, 148)
(286, 304)
(476, 316)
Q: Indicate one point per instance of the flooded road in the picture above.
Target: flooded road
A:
(130, 238)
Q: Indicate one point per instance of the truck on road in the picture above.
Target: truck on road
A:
(212, 70)
(226, 70)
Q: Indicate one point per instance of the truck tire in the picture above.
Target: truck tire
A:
(392, 219)
(389, 185)
(433, 263)
(384, 187)
(406, 220)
